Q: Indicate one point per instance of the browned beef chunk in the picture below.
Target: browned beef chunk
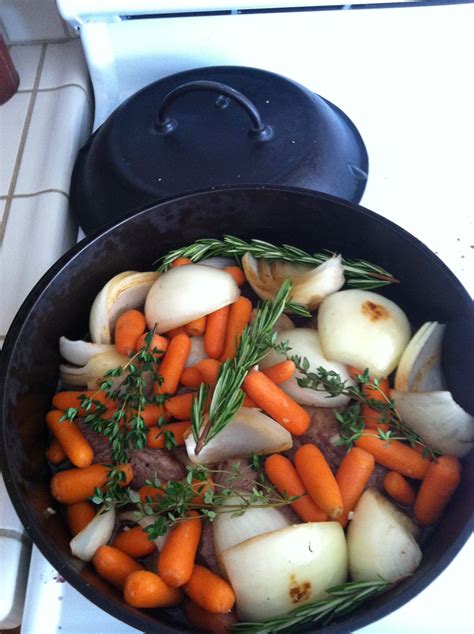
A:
(290, 514)
(148, 463)
(377, 477)
(100, 445)
(243, 481)
(206, 552)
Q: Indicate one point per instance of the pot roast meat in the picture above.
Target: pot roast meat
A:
(243, 480)
(100, 445)
(150, 463)
(206, 554)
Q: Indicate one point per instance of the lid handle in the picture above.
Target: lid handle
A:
(166, 124)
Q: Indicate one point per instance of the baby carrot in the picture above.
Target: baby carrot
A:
(55, 453)
(248, 402)
(439, 484)
(128, 327)
(237, 274)
(176, 561)
(144, 589)
(180, 406)
(209, 591)
(276, 403)
(205, 621)
(79, 515)
(69, 436)
(394, 455)
(353, 372)
(283, 475)
(156, 435)
(352, 477)
(201, 487)
(239, 316)
(173, 363)
(179, 330)
(158, 344)
(196, 327)
(319, 480)
(180, 262)
(69, 398)
(209, 368)
(134, 543)
(280, 372)
(76, 485)
(191, 377)
(151, 414)
(150, 492)
(114, 565)
(214, 336)
(372, 418)
(399, 488)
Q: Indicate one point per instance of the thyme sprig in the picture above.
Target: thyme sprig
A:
(359, 273)
(342, 599)
(228, 396)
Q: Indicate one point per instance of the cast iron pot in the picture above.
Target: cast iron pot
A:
(60, 303)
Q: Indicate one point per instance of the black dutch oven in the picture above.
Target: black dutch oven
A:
(60, 303)
(215, 126)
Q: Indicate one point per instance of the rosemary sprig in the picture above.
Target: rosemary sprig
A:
(342, 599)
(228, 397)
(359, 273)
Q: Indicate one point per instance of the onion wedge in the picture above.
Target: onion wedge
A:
(96, 534)
(94, 370)
(438, 419)
(79, 352)
(419, 369)
(250, 431)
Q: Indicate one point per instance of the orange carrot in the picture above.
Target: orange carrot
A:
(201, 487)
(353, 372)
(79, 515)
(191, 377)
(205, 621)
(55, 453)
(114, 565)
(146, 492)
(173, 363)
(180, 406)
(209, 368)
(128, 327)
(280, 372)
(437, 488)
(319, 480)
(69, 436)
(180, 262)
(399, 488)
(179, 330)
(76, 485)
(248, 402)
(65, 400)
(283, 475)
(216, 327)
(372, 418)
(134, 543)
(156, 435)
(176, 561)
(144, 589)
(209, 591)
(151, 414)
(239, 316)
(158, 344)
(276, 403)
(196, 327)
(394, 455)
(237, 274)
(352, 477)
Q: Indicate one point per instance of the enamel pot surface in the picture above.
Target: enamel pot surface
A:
(60, 304)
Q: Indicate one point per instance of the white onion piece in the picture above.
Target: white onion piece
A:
(218, 262)
(186, 293)
(304, 342)
(275, 573)
(310, 284)
(123, 292)
(229, 531)
(381, 540)
(438, 419)
(419, 369)
(282, 323)
(79, 352)
(94, 370)
(96, 534)
(197, 352)
(364, 330)
(250, 431)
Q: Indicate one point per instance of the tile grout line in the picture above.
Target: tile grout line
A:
(55, 88)
(52, 190)
(22, 143)
(61, 40)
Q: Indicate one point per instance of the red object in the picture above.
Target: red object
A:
(9, 78)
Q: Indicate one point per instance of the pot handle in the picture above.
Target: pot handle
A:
(166, 124)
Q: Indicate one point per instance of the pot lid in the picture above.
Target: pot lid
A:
(215, 126)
